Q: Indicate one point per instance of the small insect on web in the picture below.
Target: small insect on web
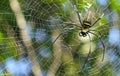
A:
(85, 30)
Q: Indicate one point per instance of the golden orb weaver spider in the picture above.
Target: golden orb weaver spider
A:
(85, 30)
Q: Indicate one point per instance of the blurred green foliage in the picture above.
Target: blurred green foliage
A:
(38, 14)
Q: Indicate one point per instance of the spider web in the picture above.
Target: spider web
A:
(65, 56)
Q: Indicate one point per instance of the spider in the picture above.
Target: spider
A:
(86, 24)
(85, 30)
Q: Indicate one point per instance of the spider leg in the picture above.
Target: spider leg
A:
(97, 20)
(57, 38)
(99, 37)
(78, 15)
(102, 14)
(69, 24)
(79, 18)
(89, 51)
(66, 31)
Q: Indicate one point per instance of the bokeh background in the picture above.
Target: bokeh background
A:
(29, 43)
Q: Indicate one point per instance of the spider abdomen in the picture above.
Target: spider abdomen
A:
(86, 24)
(87, 21)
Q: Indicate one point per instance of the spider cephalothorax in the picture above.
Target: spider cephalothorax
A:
(83, 32)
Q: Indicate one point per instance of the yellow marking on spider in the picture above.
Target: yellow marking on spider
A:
(89, 16)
